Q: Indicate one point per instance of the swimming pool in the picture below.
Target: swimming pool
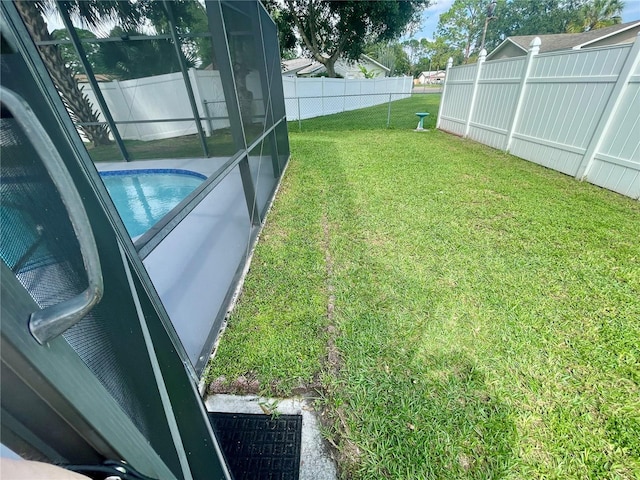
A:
(142, 197)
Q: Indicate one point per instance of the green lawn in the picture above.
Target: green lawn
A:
(458, 312)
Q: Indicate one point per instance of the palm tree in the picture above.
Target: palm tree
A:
(130, 15)
(597, 14)
(74, 99)
(123, 60)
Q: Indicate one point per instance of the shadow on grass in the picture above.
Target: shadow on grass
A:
(402, 407)
(475, 294)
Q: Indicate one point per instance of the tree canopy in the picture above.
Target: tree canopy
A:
(68, 52)
(136, 59)
(462, 25)
(127, 60)
(392, 55)
(330, 29)
(597, 14)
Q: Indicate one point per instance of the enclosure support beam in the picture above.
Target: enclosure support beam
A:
(73, 35)
(222, 54)
(265, 81)
(185, 75)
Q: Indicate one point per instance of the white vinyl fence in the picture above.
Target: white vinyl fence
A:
(577, 111)
(164, 97)
(315, 97)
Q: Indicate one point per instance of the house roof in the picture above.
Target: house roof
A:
(100, 77)
(432, 73)
(296, 65)
(377, 64)
(565, 41)
(307, 66)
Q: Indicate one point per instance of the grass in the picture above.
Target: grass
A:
(401, 114)
(462, 313)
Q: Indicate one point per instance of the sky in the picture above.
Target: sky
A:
(430, 17)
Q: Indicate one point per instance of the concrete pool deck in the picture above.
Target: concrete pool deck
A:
(194, 265)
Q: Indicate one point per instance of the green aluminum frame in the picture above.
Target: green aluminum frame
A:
(268, 65)
(51, 380)
(172, 374)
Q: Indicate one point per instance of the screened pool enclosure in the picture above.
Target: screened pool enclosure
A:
(142, 144)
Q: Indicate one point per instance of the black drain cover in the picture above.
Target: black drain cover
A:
(260, 447)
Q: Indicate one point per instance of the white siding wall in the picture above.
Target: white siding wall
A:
(577, 112)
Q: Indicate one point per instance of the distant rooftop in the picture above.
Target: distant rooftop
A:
(567, 41)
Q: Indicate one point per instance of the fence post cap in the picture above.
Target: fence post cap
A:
(535, 44)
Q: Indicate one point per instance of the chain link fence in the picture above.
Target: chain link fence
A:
(367, 111)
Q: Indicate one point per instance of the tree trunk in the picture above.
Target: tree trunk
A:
(76, 102)
(330, 65)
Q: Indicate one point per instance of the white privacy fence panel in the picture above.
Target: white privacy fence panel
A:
(577, 112)
(160, 97)
(316, 97)
(458, 93)
(209, 96)
(498, 90)
(150, 101)
(616, 164)
(153, 103)
(565, 99)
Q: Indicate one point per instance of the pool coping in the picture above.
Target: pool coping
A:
(152, 171)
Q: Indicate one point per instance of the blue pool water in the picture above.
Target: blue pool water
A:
(142, 197)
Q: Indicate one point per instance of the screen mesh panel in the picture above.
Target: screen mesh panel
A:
(39, 245)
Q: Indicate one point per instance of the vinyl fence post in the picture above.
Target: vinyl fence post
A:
(474, 95)
(322, 97)
(297, 96)
(534, 48)
(444, 90)
(389, 111)
(195, 85)
(344, 95)
(208, 123)
(624, 77)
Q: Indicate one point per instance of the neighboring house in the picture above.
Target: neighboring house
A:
(519, 46)
(307, 67)
(82, 78)
(290, 68)
(431, 77)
